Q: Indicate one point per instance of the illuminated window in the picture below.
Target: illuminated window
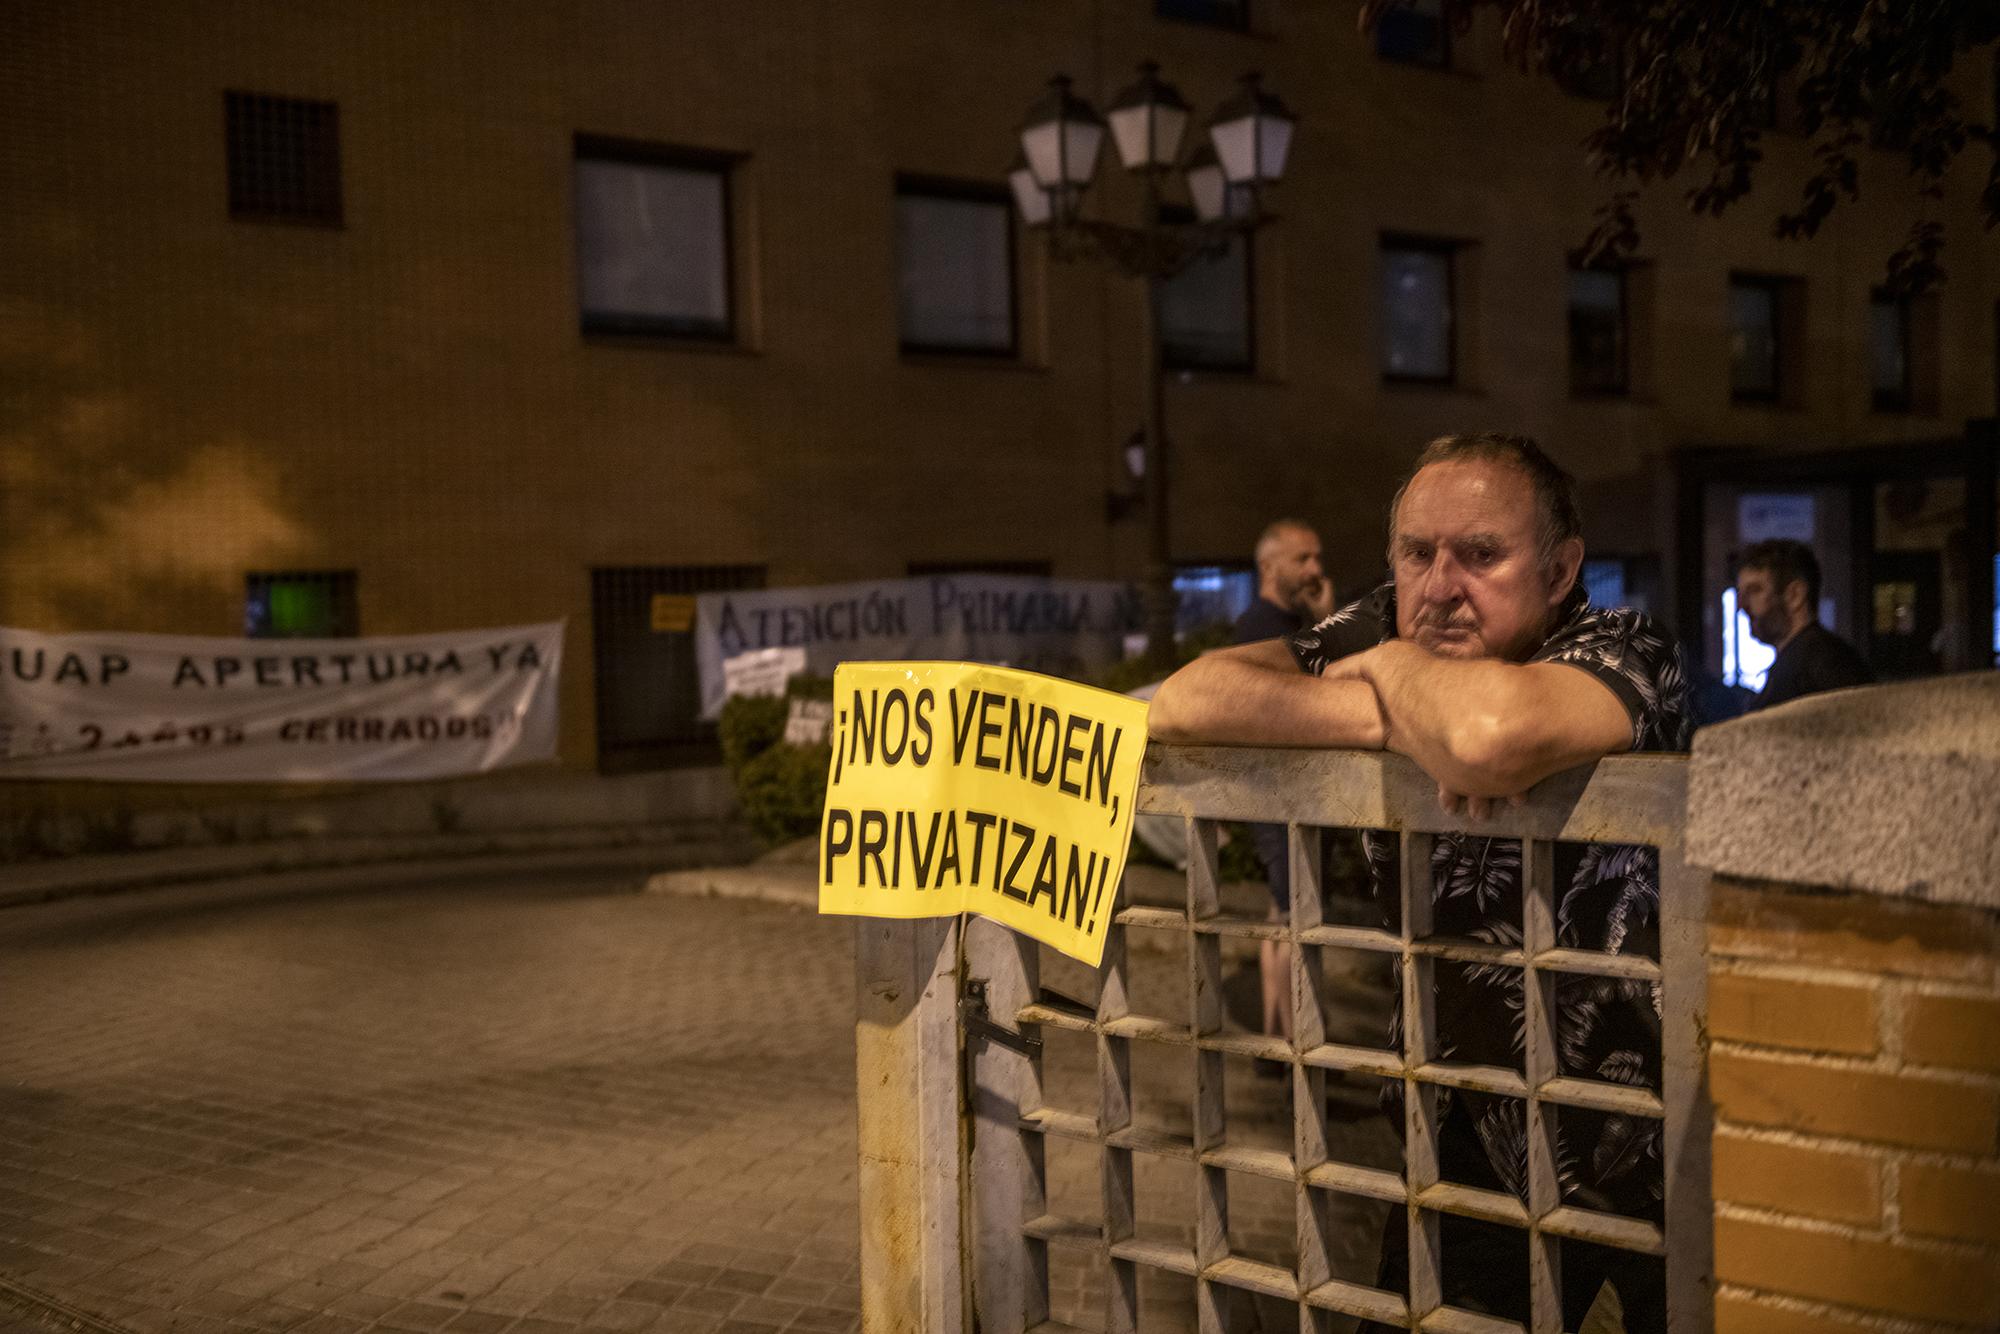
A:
(1212, 594)
(301, 604)
(1745, 661)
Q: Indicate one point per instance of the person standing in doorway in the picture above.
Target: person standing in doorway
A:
(1293, 593)
(1777, 587)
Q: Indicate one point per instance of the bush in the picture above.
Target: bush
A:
(1131, 673)
(781, 788)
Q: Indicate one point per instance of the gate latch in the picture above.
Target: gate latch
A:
(975, 1019)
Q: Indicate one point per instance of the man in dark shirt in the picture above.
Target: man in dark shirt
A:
(1777, 587)
(1483, 661)
(1292, 592)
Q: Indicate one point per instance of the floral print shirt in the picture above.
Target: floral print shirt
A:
(1608, 898)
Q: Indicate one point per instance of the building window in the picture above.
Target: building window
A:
(1414, 34)
(284, 159)
(955, 268)
(1889, 353)
(1598, 352)
(1208, 595)
(1756, 339)
(1418, 321)
(301, 604)
(1206, 319)
(652, 240)
(648, 677)
(1231, 14)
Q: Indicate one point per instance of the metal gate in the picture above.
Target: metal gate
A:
(956, 1126)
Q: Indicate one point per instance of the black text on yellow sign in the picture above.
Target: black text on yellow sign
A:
(955, 787)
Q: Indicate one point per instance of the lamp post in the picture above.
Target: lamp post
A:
(1248, 140)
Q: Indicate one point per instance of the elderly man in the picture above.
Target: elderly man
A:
(1483, 661)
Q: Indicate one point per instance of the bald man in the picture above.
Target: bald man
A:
(1293, 592)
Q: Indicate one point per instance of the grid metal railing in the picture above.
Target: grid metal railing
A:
(1630, 800)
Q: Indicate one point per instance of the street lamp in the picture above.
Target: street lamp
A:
(1248, 141)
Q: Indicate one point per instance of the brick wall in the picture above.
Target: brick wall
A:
(1855, 1068)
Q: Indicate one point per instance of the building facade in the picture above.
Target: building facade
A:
(388, 318)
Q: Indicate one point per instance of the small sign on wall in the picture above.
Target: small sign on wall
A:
(673, 613)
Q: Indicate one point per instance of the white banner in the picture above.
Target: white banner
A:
(1060, 627)
(180, 709)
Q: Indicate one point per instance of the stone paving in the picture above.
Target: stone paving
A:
(540, 1104)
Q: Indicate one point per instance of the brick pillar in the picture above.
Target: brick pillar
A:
(1854, 1010)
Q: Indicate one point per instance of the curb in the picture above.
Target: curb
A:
(647, 846)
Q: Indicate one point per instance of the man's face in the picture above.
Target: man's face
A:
(1470, 582)
(1758, 596)
(1293, 568)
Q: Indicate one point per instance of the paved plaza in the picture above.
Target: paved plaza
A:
(542, 1104)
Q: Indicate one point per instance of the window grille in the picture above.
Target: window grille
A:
(284, 159)
(648, 688)
(301, 604)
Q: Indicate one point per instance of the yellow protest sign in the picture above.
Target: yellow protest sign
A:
(961, 788)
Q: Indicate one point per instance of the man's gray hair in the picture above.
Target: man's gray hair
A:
(1558, 517)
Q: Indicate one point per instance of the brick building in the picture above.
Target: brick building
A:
(341, 317)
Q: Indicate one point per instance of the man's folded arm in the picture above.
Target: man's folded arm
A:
(1485, 728)
(1255, 695)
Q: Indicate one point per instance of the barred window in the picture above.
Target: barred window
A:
(284, 159)
(301, 604)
